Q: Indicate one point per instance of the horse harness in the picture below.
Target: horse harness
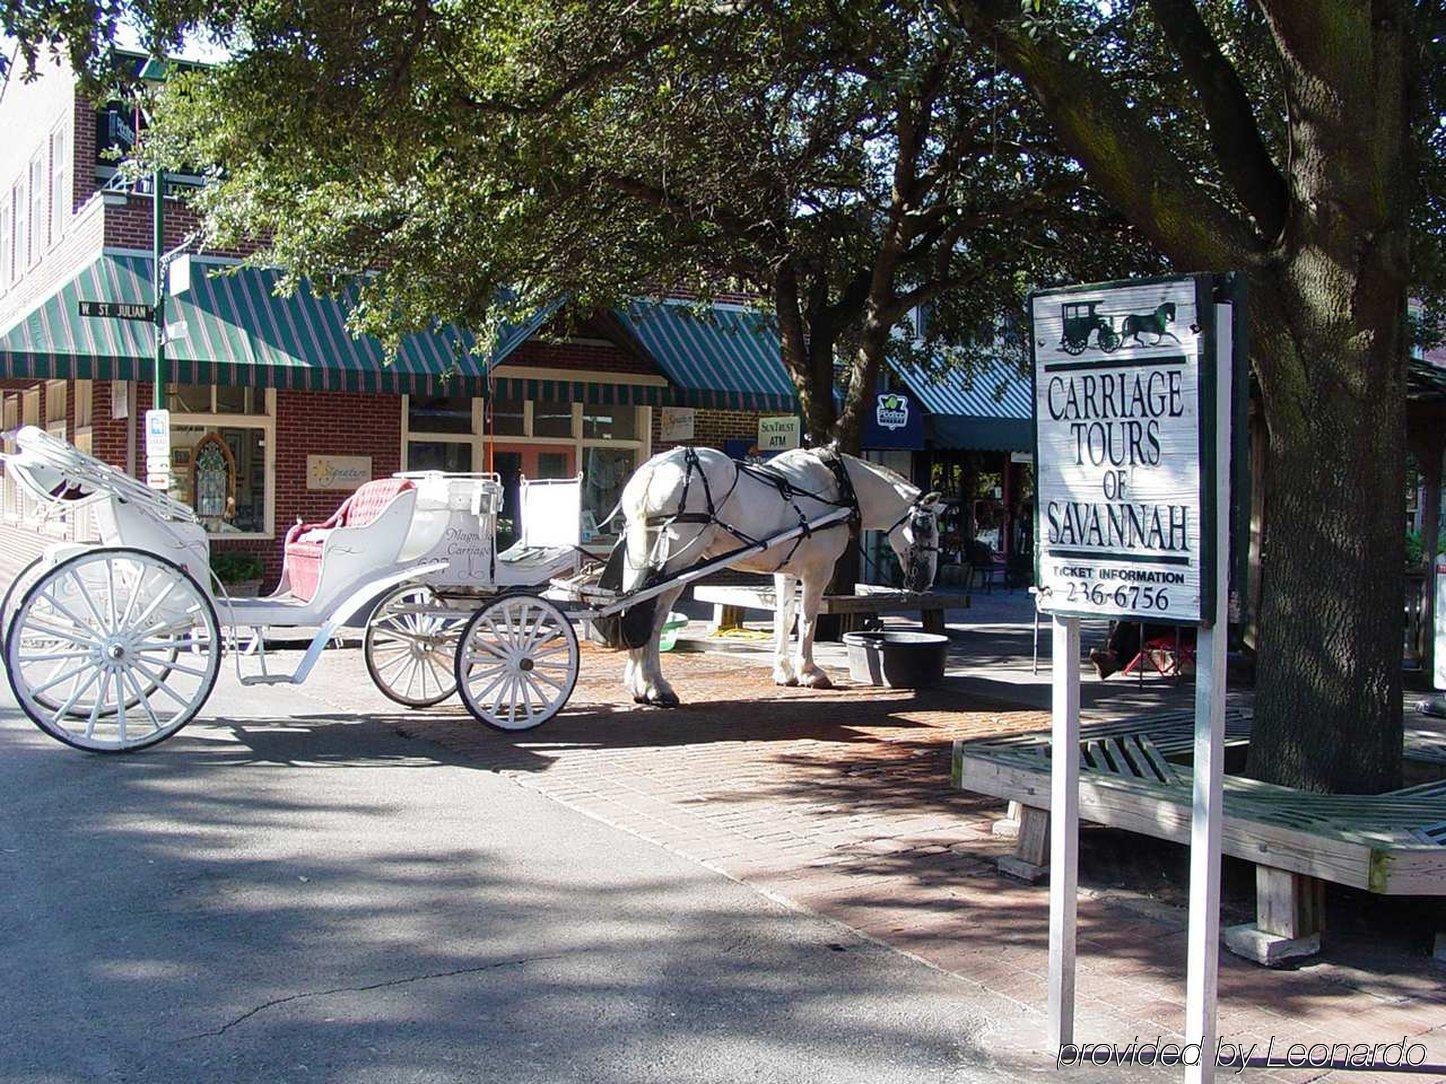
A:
(791, 493)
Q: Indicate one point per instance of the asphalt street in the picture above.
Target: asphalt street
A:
(288, 892)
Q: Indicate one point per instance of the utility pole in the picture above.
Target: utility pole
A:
(158, 224)
(158, 419)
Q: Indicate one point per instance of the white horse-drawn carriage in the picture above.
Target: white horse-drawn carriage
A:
(115, 647)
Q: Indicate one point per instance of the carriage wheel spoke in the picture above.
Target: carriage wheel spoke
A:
(54, 681)
(144, 700)
(75, 696)
(86, 595)
(159, 682)
(100, 699)
(136, 591)
(156, 602)
(52, 656)
(55, 602)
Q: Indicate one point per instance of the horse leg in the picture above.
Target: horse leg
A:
(655, 688)
(783, 592)
(632, 674)
(810, 674)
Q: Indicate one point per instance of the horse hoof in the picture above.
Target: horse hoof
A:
(639, 698)
(665, 700)
(817, 680)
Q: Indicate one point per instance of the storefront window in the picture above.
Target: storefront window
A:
(189, 398)
(439, 413)
(551, 418)
(604, 473)
(240, 400)
(508, 418)
(224, 469)
(444, 455)
(55, 403)
(610, 423)
(553, 465)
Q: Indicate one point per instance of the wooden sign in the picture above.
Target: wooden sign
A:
(676, 423)
(1124, 393)
(346, 472)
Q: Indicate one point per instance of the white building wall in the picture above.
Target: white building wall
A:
(36, 122)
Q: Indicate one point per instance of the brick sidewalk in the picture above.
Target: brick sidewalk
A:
(839, 803)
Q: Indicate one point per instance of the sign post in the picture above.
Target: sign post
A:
(1207, 806)
(1133, 406)
(158, 246)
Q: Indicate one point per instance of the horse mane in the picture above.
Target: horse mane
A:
(887, 473)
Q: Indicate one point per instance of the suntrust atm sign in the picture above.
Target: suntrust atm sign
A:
(1122, 387)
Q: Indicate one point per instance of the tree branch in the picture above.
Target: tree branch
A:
(1128, 162)
(1234, 133)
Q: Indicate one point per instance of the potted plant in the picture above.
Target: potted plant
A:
(238, 571)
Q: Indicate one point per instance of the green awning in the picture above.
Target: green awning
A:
(238, 331)
(728, 359)
(581, 391)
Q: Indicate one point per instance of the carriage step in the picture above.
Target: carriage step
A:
(269, 679)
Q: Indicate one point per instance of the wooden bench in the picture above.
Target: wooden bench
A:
(1135, 774)
(729, 602)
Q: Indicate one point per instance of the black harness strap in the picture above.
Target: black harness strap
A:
(847, 498)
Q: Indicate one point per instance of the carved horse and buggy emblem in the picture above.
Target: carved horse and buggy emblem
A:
(1080, 321)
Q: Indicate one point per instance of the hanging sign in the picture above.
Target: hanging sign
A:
(178, 275)
(158, 449)
(676, 423)
(779, 434)
(120, 399)
(895, 420)
(118, 310)
(338, 471)
(1124, 445)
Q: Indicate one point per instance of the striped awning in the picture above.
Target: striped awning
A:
(581, 391)
(238, 331)
(986, 407)
(726, 359)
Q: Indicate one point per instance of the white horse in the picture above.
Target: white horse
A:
(688, 505)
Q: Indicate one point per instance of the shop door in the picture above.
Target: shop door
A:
(533, 462)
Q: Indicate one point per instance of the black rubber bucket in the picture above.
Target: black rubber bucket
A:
(896, 658)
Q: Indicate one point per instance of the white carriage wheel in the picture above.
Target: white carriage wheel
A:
(409, 655)
(23, 579)
(18, 586)
(113, 650)
(517, 662)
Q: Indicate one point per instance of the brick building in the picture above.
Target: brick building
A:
(277, 393)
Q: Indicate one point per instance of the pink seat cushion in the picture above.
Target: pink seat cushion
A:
(371, 500)
(305, 541)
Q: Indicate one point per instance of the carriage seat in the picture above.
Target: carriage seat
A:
(305, 541)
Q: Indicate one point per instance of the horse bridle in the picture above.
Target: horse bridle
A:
(915, 515)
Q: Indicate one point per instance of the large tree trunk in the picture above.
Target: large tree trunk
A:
(1328, 689)
(1329, 321)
